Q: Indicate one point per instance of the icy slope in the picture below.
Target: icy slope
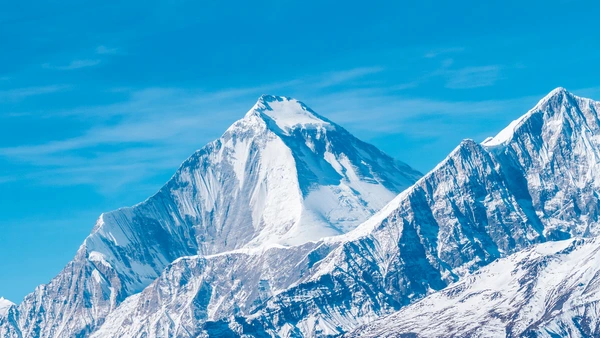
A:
(282, 175)
(549, 290)
(5, 305)
(481, 203)
(9, 319)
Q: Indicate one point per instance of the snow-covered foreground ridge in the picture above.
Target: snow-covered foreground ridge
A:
(549, 290)
(537, 181)
(282, 175)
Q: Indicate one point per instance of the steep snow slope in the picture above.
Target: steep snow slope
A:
(8, 319)
(282, 175)
(537, 182)
(5, 304)
(549, 290)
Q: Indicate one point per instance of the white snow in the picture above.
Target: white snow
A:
(5, 305)
(287, 113)
(506, 134)
(510, 294)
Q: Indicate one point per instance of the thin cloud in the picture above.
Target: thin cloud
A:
(472, 77)
(75, 64)
(7, 179)
(457, 78)
(22, 93)
(438, 52)
(155, 129)
(103, 50)
(340, 77)
(377, 111)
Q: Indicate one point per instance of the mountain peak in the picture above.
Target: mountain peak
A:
(271, 98)
(287, 113)
(556, 96)
(5, 305)
(550, 104)
(558, 91)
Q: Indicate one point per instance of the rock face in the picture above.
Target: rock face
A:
(282, 175)
(549, 290)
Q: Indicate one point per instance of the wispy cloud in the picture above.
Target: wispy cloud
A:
(457, 78)
(377, 111)
(154, 129)
(435, 53)
(103, 50)
(75, 64)
(472, 77)
(342, 77)
(6, 179)
(22, 93)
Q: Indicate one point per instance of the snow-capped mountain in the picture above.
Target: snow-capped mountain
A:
(5, 305)
(9, 327)
(282, 175)
(549, 290)
(536, 181)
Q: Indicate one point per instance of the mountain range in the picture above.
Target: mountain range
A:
(289, 226)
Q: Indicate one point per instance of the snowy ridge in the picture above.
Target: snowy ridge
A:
(280, 176)
(9, 327)
(549, 290)
(5, 305)
(480, 204)
(548, 103)
(506, 134)
(288, 113)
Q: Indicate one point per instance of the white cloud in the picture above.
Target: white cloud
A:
(75, 64)
(22, 93)
(155, 129)
(435, 53)
(472, 77)
(103, 50)
(340, 77)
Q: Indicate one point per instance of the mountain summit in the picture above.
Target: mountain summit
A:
(287, 113)
(282, 175)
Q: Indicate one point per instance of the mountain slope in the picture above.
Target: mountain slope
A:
(549, 290)
(282, 175)
(535, 182)
(9, 327)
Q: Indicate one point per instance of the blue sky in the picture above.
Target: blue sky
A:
(101, 101)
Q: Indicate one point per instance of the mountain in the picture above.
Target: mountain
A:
(8, 319)
(282, 175)
(549, 290)
(5, 305)
(537, 181)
